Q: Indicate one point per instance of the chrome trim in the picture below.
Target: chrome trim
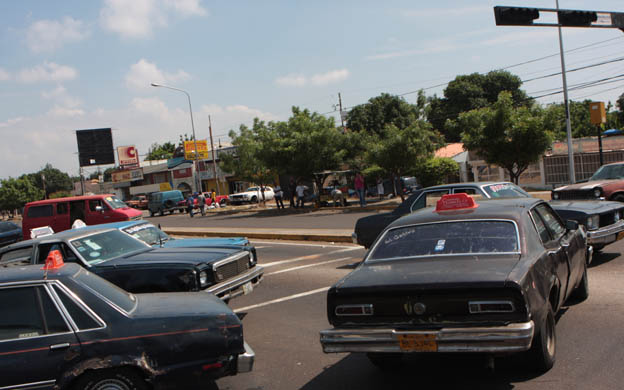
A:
(513, 307)
(515, 337)
(232, 287)
(78, 301)
(605, 235)
(590, 254)
(354, 238)
(364, 306)
(230, 259)
(32, 385)
(244, 361)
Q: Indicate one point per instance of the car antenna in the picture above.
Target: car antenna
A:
(160, 237)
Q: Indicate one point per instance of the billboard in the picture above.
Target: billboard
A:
(95, 147)
(202, 149)
(128, 156)
(130, 175)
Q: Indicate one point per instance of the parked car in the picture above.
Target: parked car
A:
(602, 220)
(164, 201)
(138, 268)
(138, 202)
(252, 195)
(9, 233)
(61, 213)
(607, 183)
(464, 277)
(67, 328)
(223, 200)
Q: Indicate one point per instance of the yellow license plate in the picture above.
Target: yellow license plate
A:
(620, 235)
(418, 342)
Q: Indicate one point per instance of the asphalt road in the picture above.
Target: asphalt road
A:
(287, 311)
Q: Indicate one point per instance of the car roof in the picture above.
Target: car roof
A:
(111, 225)
(67, 199)
(466, 184)
(61, 236)
(36, 273)
(499, 208)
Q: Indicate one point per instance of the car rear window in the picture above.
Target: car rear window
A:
(121, 298)
(505, 190)
(40, 211)
(448, 238)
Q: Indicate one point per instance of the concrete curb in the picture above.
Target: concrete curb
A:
(325, 235)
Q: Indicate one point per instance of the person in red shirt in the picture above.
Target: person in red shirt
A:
(360, 188)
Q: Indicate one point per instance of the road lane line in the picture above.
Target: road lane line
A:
(308, 257)
(278, 300)
(309, 265)
(302, 244)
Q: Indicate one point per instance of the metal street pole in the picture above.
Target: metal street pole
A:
(214, 157)
(567, 107)
(195, 178)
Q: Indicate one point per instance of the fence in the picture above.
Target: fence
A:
(585, 164)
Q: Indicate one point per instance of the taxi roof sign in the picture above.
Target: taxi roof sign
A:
(54, 260)
(450, 202)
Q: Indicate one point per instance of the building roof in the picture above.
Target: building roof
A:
(450, 150)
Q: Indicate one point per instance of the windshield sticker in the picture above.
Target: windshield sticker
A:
(137, 228)
(399, 236)
(30, 334)
(81, 248)
(92, 245)
(499, 187)
(440, 245)
(94, 254)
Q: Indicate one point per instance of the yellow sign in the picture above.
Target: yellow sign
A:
(202, 149)
(597, 113)
(165, 187)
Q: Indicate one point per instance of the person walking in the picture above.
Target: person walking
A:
(292, 186)
(380, 188)
(213, 196)
(300, 189)
(360, 189)
(279, 194)
(201, 203)
(189, 205)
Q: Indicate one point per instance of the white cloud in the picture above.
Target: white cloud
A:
(143, 73)
(11, 121)
(300, 80)
(4, 75)
(49, 35)
(138, 18)
(59, 111)
(48, 71)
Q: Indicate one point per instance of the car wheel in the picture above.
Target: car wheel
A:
(385, 361)
(162, 212)
(618, 198)
(254, 199)
(581, 292)
(545, 343)
(222, 202)
(120, 379)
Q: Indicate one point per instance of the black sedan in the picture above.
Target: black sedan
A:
(9, 233)
(137, 267)
(67, 328)
(486, 277)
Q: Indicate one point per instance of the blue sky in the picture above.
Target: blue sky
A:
(68, 65)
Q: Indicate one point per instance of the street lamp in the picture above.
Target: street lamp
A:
(197, 185)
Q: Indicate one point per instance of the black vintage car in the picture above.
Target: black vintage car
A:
(9, 233)
(137, 267)
(603, 220)
(484, 277)
(67, 328)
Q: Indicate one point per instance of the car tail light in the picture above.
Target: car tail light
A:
(476, 307)
(354, 310)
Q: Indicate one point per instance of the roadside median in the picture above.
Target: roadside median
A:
(325, 235)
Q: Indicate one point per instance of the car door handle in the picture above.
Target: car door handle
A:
(555, 252)
(56, 347)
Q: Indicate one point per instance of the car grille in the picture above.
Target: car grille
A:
(575, 194)
(232, 267)
(608, 218)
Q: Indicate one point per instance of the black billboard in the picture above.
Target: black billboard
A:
(95, 147)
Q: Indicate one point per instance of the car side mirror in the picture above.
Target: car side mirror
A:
(99, 209)
(572, 225)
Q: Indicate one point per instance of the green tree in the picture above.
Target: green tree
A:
(402, 149)
(554, 118)
(15, 193)
(160, 152)
(52, 179)
(469, 92)
(373, 116)
(436, 171)
(504, 135)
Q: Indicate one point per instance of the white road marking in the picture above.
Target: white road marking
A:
(309, 265)
(269, 243)
(308, 257)
(278, 300)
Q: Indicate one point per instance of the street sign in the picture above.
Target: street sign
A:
(597, 113)
(202, 149)
(128, 156)
(523, 16)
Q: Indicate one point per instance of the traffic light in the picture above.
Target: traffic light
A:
(577, 18)
(515, 16)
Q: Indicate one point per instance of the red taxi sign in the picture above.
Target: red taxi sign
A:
(54, 260)
(452, 202)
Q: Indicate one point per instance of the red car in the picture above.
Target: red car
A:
(138, 202)
(221, 199)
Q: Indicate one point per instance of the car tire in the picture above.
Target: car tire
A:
(223, 202)
(618, 198)
(581, 292)
(544, 347)
(385, 360)
(162, 212)
(117, 379)
(254, 199)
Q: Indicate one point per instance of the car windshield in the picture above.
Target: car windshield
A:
(447, 238)
(7, 227)
(609, 172)
(505, 190)
(100, 247)
(147, 233)
(115, 203)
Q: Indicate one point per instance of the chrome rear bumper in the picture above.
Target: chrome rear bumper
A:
(245, 361)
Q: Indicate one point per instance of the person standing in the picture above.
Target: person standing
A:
(380, 188)
(300, 189)
(279, 194)
(292, 186)
(360, 189)
(201, 203)
(213, 196)
(189, 205)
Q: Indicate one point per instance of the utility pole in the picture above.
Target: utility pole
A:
(214, 157)
(341, 117)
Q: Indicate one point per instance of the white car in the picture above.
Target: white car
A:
(252, 195)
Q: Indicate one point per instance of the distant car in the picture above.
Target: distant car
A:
(9, 233)
(164, 202)
(607, 183)
(138, 202)
(252, 195)
(64, 327)
(603, 220)
(223, 200)
(486, 276)
(226, 271)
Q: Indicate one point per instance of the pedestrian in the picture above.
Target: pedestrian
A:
(189, 205)
(292, 186)
(360, 189)
(213, 196)
(300, 190)
(201, 203)
(337, 196)
(380, 188)
(279, 194)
